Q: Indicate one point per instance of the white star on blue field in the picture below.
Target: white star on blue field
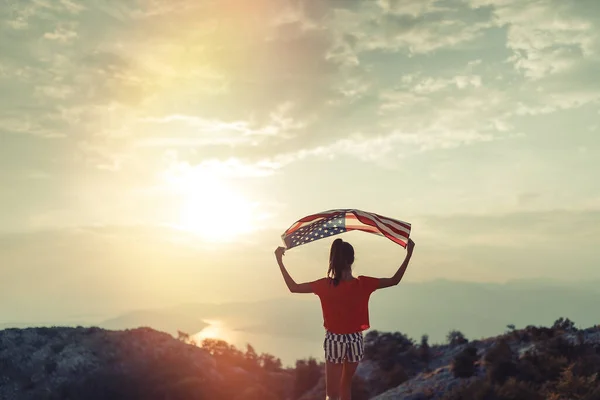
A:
(323, 228)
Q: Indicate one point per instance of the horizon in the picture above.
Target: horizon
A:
(290, 328)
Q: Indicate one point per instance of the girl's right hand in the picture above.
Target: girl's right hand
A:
(279, 252)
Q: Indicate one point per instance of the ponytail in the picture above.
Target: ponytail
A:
(341, 257)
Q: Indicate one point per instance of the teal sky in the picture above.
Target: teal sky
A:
(122, 122)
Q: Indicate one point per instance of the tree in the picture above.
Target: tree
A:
(185, 338)
(499, 362)
(307, 375)
(456, 337)
(463, 365)
(564, 325)
(424, 350)
(269, 362)
(251, 358)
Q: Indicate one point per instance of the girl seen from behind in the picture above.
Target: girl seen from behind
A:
(345, 307)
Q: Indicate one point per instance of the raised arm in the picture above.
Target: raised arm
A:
(394, 280)
(289, 281)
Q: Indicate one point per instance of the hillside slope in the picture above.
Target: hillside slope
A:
(93, 363)
(558, 363)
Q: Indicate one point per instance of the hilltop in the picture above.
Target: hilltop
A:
(558, 362)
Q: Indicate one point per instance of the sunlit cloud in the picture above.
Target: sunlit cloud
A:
(61, 35)
(546, 37)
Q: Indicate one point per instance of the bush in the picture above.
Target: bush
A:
(463, 365)
(565, 325)
(456, 337)
(477, 390)
(394, 377)
(424, 350)
(499, 362)
(535, 333)
(379, 346)
(483, 389)
(513, 389)
(573, 386)
(307, 375)
(360, 389)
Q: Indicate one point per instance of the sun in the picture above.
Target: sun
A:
(210, 207)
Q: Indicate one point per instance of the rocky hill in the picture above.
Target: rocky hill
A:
(92, 363)
(558, 363)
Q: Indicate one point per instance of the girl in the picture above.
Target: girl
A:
(344, 303)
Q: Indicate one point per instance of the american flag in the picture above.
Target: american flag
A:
(333, 222)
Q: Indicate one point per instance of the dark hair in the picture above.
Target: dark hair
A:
(341, 257)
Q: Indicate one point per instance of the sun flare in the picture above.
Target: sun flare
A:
(215, 330)
(210, 207)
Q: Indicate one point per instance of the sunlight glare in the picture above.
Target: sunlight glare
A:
(215, 330)
(210, 207)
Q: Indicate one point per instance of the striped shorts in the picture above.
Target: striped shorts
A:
(340, 347)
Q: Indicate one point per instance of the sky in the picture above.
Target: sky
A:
(153, 151)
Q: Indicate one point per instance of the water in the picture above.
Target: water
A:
(288, 349)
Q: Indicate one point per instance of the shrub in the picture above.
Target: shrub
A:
(499, 362)
(394, 377)
(389, 349)
(483, 389)
(570, 385)
(360, 389)
(456, 337)
(587, 364)
(477, 390)
(307, 375)
(513, 389)
(565, 325)
(424, 349)
(47, 331)
(463, 365)
(535, 333)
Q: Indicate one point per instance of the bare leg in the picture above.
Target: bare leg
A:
(333, 375)
(347, 375)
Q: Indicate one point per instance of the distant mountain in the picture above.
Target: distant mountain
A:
(164, 321)
(433, 308)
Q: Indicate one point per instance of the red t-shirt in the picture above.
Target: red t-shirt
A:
(345, 306)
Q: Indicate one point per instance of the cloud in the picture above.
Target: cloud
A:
(28, 126)
(251, 88)
(430, 85)
(546, 37)
(415, 27)
(72, 6)
(232, 168)
(61, 34)
(54, 91)
(518, 229)
(198, 131)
